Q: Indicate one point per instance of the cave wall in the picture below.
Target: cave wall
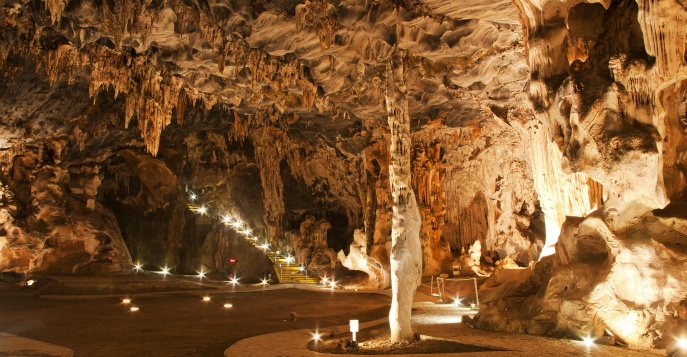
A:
(601, 74)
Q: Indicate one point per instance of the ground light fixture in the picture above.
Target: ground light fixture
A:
(226, 220)
(332, 284)
(203, 210)
(206, 298)
(264, 282)
(354, 324)
(201, 274)
(265, 246)
(134, 309)
(126, 301)
(165, 271)
(233, 281)
(228, 306)
(588, 341)
(137, 267)
(316, 336)
(682, 343)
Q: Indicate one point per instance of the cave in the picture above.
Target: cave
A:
(457, 176)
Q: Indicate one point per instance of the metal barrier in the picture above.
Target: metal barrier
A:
(440, 286)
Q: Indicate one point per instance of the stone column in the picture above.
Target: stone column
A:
(406, 252)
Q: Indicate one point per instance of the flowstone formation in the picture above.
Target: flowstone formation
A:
(608, 83)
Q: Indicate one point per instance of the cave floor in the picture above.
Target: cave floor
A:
(81, 314)
(86, 315)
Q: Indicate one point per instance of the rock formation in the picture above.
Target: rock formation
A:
(549, 131)
(601, 74)
(406, 260)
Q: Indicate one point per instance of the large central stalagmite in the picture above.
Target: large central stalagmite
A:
(406, 254)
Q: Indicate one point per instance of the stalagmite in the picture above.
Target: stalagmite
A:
(358, 259)
(406, 252)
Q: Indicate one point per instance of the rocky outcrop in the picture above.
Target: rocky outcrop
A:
(600, 75)
(51, 222)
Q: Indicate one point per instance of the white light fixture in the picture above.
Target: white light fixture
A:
(237, 224)
(332, 284)
(247, 232)
(233, 281)
(264, 282)
(265, 246)
(316, 336)
(201, 274)
(203, 210)
(325, 281)
(226, 219)
(134, 308)
(126, 301)
(137, 267)
(206, 298)
(301, 268)
(588, 341)
(354, 327)
(192, 196)
(228, 306)
(289, 259)
(30, 282)
(165, 271)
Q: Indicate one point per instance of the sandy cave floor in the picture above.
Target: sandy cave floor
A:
(86, 315)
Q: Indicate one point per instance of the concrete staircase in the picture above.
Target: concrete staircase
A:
(288, 272)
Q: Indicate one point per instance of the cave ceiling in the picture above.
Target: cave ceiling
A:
(316, 68)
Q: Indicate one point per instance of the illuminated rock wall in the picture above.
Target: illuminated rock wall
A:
(608, 84)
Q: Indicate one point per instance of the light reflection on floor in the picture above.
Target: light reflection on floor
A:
(439, 314)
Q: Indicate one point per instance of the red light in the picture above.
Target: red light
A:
(232, 260)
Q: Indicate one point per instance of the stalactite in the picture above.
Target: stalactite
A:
(63, 58)
(427, 179)
(181, 107)
(269, 151)
(663, 39)
(221, 58)
(56, 7)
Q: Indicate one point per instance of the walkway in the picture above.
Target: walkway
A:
(434, 321)
(11, 345)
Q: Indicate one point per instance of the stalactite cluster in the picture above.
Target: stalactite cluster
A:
(427, 178)
(269, 154)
